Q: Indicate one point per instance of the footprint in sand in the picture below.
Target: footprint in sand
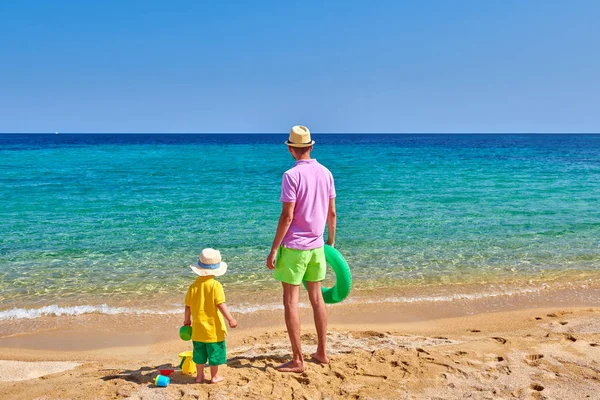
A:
(303, 379)
(551, 315)
(538, 318)
(493, 358)
(594, 344)
(373, 377)
(474, 330)
(536, 386)
(499, 339)
(570, 338)
(563, 322)
(533, 358)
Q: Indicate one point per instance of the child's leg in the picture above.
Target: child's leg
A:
(217, 355)
(200, 357)
(199, 373)
(215, 378)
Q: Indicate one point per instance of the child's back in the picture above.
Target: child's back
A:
(203, 297)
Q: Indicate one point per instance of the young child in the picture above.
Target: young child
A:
(204, 309)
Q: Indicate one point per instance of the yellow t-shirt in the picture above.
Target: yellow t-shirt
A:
(202, 298)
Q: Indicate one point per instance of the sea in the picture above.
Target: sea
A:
(109, 223)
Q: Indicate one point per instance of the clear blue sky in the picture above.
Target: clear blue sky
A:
(335, 66)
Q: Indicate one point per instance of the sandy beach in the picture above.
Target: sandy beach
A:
(440, 160)
(377, 351)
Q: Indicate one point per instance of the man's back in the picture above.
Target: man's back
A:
(310, 185)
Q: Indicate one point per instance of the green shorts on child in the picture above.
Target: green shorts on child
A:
(214, 353)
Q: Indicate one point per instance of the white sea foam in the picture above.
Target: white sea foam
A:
(250, 308)
(447, 298)
(55, 310)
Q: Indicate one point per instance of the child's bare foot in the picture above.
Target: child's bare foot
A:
(217, 379)
(291, 366)
(320, 358)
(199, 379)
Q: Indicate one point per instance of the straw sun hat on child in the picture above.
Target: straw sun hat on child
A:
(299, 137)
(209, 263)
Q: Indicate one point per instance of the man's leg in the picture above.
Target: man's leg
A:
(320, 315)
(292, 321)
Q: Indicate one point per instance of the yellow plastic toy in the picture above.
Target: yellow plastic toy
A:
(187, 365)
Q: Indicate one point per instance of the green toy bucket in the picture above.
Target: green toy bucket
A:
(185, 333)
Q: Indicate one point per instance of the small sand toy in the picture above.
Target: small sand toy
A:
(166, 372)
(185, 333)
(187, 365)
(162, 381)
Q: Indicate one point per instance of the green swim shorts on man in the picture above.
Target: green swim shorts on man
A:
(297, 253)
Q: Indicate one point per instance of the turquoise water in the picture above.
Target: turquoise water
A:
(86, 218)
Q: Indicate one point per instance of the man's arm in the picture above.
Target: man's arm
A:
(285, 220)
(331, 222)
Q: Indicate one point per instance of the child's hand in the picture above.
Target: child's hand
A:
(187, 322)
(232, 323)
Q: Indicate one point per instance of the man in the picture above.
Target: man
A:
(308, 197)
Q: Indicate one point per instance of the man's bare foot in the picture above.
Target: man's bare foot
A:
(217, 379)
(322, 359)
(199, 379)
(291, 366)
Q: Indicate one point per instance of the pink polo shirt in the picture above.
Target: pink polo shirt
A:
(309, 185)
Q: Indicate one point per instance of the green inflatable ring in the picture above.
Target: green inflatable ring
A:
(343, 278)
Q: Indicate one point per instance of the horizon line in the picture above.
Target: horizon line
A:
(284, 133)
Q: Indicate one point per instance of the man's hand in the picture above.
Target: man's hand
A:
(271, 259)
(331, 242)
(187, 322)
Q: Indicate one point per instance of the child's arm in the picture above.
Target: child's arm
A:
(188, 320)
(225, 311)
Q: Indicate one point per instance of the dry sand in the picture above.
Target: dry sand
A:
(543, 353)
